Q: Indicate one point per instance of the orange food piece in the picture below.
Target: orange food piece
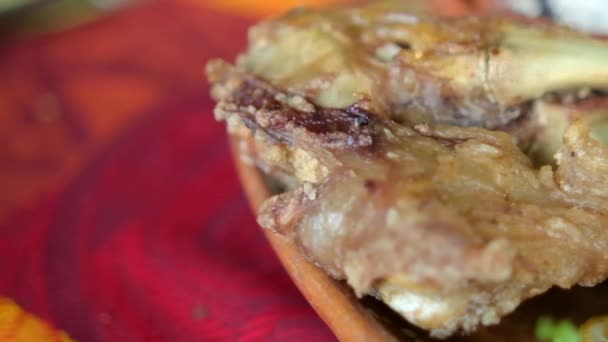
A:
(17, 325)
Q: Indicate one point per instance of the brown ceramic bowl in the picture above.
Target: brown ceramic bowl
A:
(367, 319)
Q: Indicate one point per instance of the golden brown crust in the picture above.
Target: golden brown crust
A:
(366, 113)
(460, 71)
(454, 218)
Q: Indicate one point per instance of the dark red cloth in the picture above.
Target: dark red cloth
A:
(123, 219)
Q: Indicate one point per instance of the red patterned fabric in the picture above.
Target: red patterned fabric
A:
(121, 218)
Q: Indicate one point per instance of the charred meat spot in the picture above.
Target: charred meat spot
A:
(259, 108)
(404, 45)
(360, 115)
(251, 94)
(573, 154)
(370, 185)
(445, 141)
(599, 92)
(522, 127)
(335, 120)
(495, 51)
(449, 142)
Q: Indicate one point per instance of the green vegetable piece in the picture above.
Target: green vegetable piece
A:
(545, 328)
(566, 331)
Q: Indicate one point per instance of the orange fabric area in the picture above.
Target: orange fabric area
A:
(16, 325)
(275, 7)
(264, 8)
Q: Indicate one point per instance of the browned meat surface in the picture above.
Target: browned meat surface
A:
(463, 71)
(450, 226)
(379, 124)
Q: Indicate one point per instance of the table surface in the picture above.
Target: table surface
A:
(121, 217)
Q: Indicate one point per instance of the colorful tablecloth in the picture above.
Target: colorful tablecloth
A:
(121, 217)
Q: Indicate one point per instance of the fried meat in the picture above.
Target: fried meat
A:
(397, 137)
